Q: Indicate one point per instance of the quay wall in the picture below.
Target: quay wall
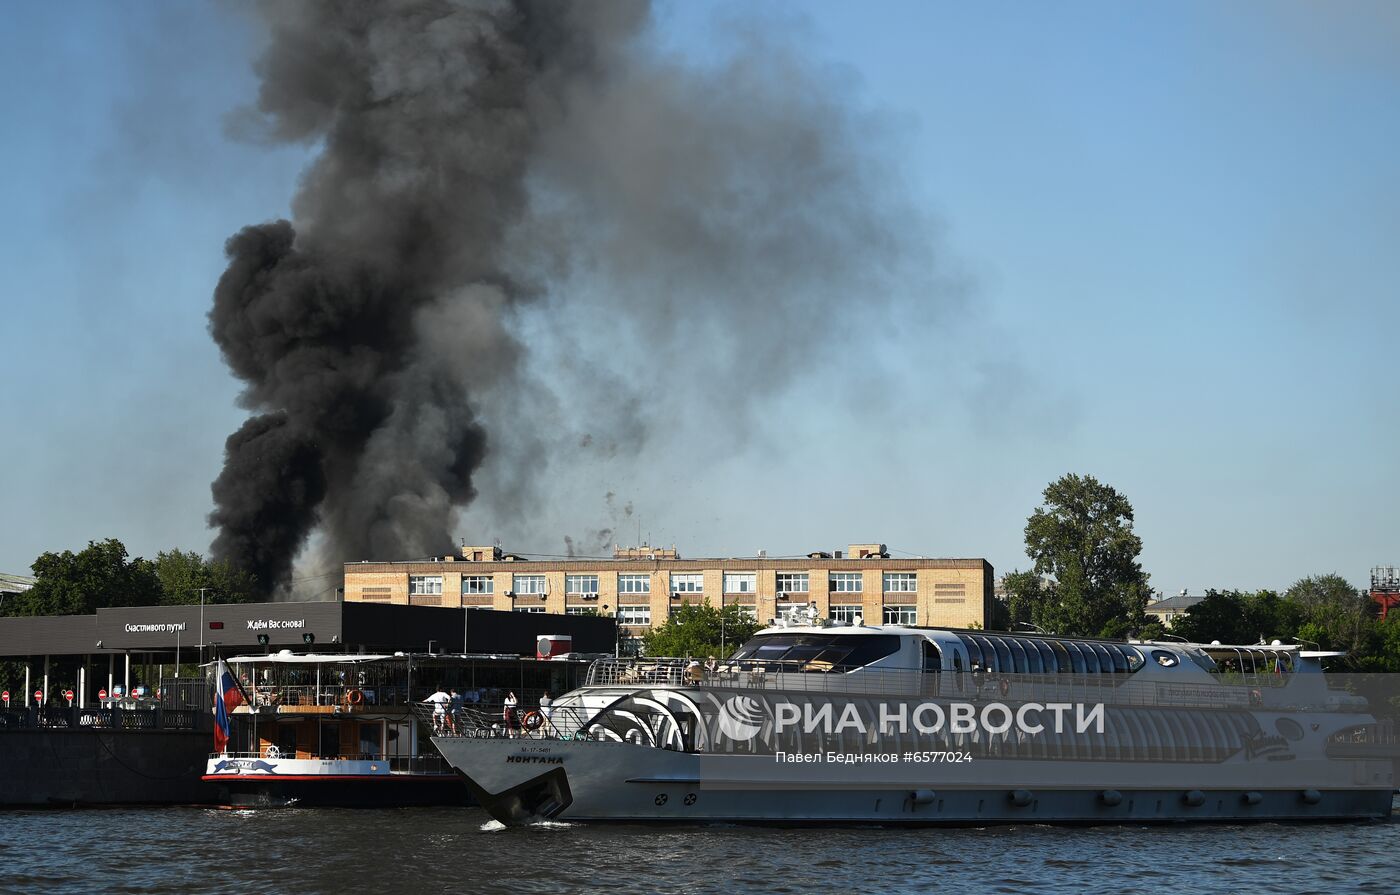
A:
(65, 768)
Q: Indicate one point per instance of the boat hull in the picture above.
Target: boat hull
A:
(397, 791)
(521, 781)
(330, 783)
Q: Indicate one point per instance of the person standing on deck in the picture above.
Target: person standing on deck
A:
(546, 708)
(439, 701)
(508, 713)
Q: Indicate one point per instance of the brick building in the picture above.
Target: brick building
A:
(641, 585)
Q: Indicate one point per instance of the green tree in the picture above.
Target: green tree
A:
(183, 572)
(700, 630)
(1238, 617)
(1336, 615)
(98, 576)
(1082, 538)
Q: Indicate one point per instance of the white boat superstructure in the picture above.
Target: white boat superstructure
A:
(810, 722)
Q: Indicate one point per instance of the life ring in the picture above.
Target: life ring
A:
(1256, 697)
(354, 697)
(1004, 687)
(532, 720)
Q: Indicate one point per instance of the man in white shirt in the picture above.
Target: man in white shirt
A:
(439, 702)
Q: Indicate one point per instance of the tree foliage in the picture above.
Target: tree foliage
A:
(183, 572)
(1086, 579)
(700, 630)
(98, 576)
(1324, 610)
(1239, 617)
(102, 575)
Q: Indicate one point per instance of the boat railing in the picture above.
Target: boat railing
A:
(346, 696)
(825, 679)
(525, 722)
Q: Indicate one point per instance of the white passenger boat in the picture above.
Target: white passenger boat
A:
(817, 723)
(338, 729)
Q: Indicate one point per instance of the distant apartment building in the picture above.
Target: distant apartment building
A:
(643, 585)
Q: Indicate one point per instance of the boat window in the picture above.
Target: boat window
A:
(1062, 661)
(990, 661)
(1047, 657)
(1091, 658)
(1134, 657)
(804, 652)
(989, 654)
(1120, 664)
(1164, 658)
(847, 650)
(1005, 664)
(933, 659)
(1019, 663)
(1076, 656)
(287, 740)
(370, 733)
(330, 740)
(974, 650)
(1204, 661)
(1289, 729)
(1105, 660)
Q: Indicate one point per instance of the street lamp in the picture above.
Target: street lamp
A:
(201, 624)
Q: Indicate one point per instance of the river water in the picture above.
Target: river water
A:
(161, 850)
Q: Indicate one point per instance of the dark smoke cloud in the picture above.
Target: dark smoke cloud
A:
(525, 220)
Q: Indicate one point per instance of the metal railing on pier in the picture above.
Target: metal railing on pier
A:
(50, 717)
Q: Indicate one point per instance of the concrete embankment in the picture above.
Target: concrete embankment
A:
(65, 767)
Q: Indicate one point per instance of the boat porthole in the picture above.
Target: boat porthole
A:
(1289, 729)
(1194, 798)
(1311, 796)
(690, 798)
(661, 799)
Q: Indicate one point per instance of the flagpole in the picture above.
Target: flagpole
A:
(219, 660)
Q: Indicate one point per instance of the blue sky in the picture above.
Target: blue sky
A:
(1176, 223)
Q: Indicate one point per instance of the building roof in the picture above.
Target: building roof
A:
(1177, 603)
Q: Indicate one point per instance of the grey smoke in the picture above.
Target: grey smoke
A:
(532, 240)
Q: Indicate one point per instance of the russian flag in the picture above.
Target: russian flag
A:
(226, 698)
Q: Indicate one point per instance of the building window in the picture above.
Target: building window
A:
(634, 615)
(580, 610)
(844, 615)
(748, 612)
(634, 584)
(687, 584)
(792, 582)
(527, 584)
(581, 584)
(529, 609)
(846, 583)
(740, 582)
(901, 582)
(478, 584)
(901, 615)
(424, 584)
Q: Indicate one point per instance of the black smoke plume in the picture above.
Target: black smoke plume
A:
(483, 162)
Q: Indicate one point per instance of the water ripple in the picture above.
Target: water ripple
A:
(158, 851)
